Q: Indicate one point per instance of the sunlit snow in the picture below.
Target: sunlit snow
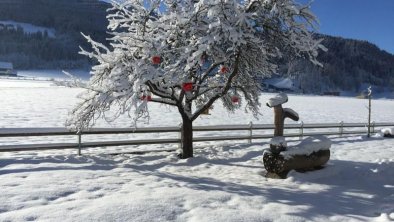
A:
(223, 182)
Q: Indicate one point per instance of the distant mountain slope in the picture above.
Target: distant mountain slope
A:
(347, 65)
(68, 18)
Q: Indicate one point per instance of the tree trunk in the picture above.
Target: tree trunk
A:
(187, 138)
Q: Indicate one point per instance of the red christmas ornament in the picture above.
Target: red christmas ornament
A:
(188, 86)
(235, 99)
(156, 60)
(147, 98)
(223, 69)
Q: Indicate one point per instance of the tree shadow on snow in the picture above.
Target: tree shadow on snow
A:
(341, 188)
(28, 164)
(349, 187)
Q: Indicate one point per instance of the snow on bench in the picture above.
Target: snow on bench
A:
(387, 131)
(308, 146)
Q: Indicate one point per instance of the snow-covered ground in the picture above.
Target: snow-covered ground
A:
(223, 182)
(54, 74)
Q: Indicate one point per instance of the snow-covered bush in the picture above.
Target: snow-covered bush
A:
(72, 81)
(189, 54)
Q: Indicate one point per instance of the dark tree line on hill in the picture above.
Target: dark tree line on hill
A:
(37, 50)
(347, 63)
(68, 17)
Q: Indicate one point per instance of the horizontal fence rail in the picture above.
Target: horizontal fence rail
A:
(37, 132)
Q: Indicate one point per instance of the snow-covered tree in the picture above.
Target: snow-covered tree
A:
(189, 54)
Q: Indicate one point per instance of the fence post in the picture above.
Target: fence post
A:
(250, 132)
(302, 130)
(373, 127)
(79, 143)
(341, 129)
(369, 110)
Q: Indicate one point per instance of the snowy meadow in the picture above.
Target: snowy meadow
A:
(223, 182)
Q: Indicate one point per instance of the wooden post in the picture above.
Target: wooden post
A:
(302, 130)
(369, 110)
(373, 127)
(278, 120)
(280, 114)
(341, 128)
(250, 132)
(79, 143)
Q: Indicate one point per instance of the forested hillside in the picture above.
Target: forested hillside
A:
(347, 63)
(67, 17)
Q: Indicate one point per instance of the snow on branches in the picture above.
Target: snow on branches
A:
(221, 48)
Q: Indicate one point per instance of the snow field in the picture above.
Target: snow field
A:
(40, 105)
(223, 182)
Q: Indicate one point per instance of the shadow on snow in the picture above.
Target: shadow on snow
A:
(341, 188)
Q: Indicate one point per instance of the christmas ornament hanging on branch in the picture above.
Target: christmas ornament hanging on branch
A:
(223, 69)
(187, 86)
(156, 60)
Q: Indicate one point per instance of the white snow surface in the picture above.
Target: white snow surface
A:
(223, 182)
(278, 141)
(29, 28)
(307, 146)
(54, 74)
(21, 83)
(278, 99)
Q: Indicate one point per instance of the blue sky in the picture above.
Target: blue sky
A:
(371, 20)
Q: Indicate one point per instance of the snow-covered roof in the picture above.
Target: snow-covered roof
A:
(280, 83)
(6, 65)
(277, 100)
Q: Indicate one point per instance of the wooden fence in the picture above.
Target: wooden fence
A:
(341, 129)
